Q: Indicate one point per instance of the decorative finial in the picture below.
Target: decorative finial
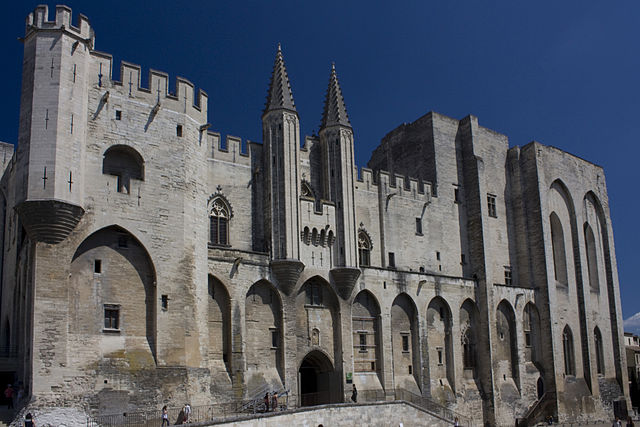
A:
(279, 47)
(333, 66)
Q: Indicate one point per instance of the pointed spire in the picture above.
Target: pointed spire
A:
(335, 112)
(279, 96)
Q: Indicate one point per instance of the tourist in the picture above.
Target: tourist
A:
(617, 423)
(165, 416)
(456, 423)
(266, 402)
(354, 394)
(274, 401)
(629, 421)
(28, 420)
(8, 395)
(187, 413)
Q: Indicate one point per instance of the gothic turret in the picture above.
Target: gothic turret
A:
(281, 136)
(336, 137)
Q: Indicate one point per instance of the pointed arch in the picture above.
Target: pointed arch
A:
(439, 323)
(568, 351)
(592, 258)
(127, 295)
(365, 321)
(405, 343)
(507, 344)
(597, 337)
(531, 330)
(468, 334)
(219, 319)
(559, 251)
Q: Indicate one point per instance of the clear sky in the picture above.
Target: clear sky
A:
(565, 73)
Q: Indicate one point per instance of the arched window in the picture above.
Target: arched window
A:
(364, 248)
(567, 349)
(592, 258)
(125, 164)
(219, 215)
(559, 254)
(599, 351)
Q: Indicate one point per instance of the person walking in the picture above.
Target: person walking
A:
(165, 416)
(274, 401)
(456, 423)
(266, 402)
(629, 421)
(8, 395)
(28, 420)
(187, 413)
(354, 394)
(616, 423)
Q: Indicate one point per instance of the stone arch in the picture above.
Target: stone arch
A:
(113, 286)
(598, 347)
(263, 336)
(365, 321)
(469, 335)
(568, 351)
(531, 330)
(317, 307)
(506, 349)
(125, 163)
(440, 347)
(319, 381)
(591, 250)
(219, 322)
(405, 343)
(559, 251)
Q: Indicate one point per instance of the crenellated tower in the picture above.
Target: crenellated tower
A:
(53, 122)
(281, 139)
(336, 137)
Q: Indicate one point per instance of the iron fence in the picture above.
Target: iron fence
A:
(432, 407)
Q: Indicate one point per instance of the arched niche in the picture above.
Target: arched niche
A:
(405, 343)
(365, 322)
(219, 318)
(317, 308)
(113, 293)
(125, 163)
(506, 348)
(439, 345)
(531, 332)
(263, 336)
(469, 336)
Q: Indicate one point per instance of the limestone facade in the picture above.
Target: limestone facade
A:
(146, 261)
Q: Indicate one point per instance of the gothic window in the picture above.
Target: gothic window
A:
(219, 215)
(508, 278)
(592, 258)
(567, 348)
(468, 359)
(364, 248)
(526, 326)
(557, 246)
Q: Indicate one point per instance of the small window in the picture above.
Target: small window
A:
(419, 226)
(314, 295)
(274, 338)
(373, 366)
(527, 338)
(363, 343)
(111, 316)
(439, 356)
(502, 336)
(405, 343)
(508, 280)
(456, 195)
(392, 260)
(123, 242)
(462, 259)
(179, 130)
(491, 205)
(97, 266)
(441, 311)
(410, 370)
(165, 302)
(118, 115)
(437, 256)
(421, 269)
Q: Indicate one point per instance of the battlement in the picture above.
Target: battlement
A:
(231, 151)
(39, 20)
(402, 183)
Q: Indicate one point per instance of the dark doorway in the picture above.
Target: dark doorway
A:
(540, 386)
(317, 381)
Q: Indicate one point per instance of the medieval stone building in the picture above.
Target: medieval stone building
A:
(145, 261)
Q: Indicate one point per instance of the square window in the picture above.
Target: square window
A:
(97, 266)
(419, 226)
(491, 205)
(508, 279)
(392, 260)
(112, 317)
(118, 115)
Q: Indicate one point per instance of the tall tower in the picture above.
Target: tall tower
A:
(336, 137)
(281, 139)
(53, 118)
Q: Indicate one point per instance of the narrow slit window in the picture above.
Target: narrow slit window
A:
(508, 279)
(97, 266)
(392, 260)
(419, 226)
(118, 115)
(179, 130)
(405, 343)
(491, 205)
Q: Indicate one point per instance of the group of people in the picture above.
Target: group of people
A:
(13, 395)
(270, 402)
(618, 423)
(184, 416)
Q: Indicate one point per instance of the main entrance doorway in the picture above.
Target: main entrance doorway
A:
(317, 380)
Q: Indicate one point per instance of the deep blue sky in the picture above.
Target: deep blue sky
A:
(562, 73)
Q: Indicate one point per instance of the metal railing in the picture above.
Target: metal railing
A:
(432, 407)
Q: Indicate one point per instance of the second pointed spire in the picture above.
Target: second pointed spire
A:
(335, 111)
(280, 95)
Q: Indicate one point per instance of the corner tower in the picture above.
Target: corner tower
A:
(336, 137)
(53, 121)
(281, 136)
